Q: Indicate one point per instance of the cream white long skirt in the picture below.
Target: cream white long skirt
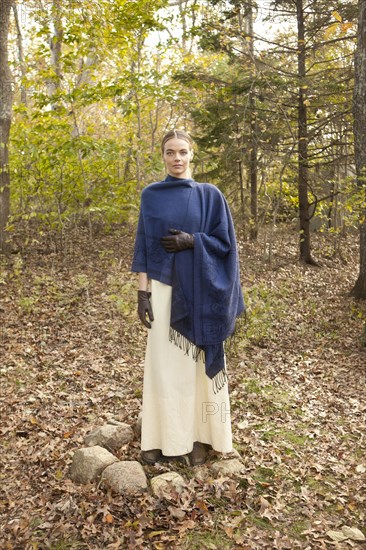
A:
(179, 404)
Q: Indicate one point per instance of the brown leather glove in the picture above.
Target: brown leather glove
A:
(177, 241)
(144, 307)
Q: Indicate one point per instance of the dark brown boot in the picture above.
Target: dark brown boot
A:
(150, 457)
(198, 455)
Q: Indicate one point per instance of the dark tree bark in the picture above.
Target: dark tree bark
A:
(359, 113)
(6, 100)
(253, 174)
(253, 160)
(303, 157)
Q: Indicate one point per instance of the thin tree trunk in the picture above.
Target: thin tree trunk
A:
(242, 198)
(6, 101)
(304, 219)
(139, 157)
(85, 185)
(23, 70)
(56, 38)
(182, 4)
(128, 158)
(154, 117)
(359, 112)
(253, 161)
(253, 181)
(240, 171)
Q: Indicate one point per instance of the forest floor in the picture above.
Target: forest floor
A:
(72, 357)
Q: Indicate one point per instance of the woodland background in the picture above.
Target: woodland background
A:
(273, 94)
(265, 88)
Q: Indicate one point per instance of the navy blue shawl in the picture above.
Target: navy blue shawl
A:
(206, 291)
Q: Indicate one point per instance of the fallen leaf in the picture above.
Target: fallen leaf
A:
(202, 506)
(243, 425)
(155, 534)
(338, 536)
(353, 533)
(177, 512)
(108, 518)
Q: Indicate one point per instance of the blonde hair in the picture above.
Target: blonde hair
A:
(178, 134)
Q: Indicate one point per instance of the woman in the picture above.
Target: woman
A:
(189, 297)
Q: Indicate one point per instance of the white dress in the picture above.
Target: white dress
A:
(179, 404)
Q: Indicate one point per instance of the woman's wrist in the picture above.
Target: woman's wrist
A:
(143, 282)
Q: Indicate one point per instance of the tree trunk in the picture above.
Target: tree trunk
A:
(240, 164)
(140, 172)
(304, 219)
(359, 113)
(253, 164)
(54, 83)
(22, 67)
(253, 160)
(6, 100)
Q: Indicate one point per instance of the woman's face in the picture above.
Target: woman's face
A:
(177, 156)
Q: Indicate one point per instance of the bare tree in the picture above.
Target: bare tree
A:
(253, 162)
(303, 155)
(359, 112)
(6, 100)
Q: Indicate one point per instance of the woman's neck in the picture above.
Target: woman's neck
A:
(186, 176)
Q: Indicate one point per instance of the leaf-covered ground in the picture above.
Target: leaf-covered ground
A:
(72, 357)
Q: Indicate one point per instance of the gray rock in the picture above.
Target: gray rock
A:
(114, 422)
(110, 436)
(163, 484)
(89, 462)
(125, 477)
(138, 425)
(228, 467)
(233, 454)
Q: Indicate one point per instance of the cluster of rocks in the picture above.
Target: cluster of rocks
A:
(97, 461)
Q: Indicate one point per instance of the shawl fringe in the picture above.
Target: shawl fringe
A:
(220, 379)
(184, 344)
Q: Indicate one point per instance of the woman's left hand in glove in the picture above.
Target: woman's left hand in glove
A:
(177, 241)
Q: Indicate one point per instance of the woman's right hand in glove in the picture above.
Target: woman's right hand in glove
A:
(144, 308)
